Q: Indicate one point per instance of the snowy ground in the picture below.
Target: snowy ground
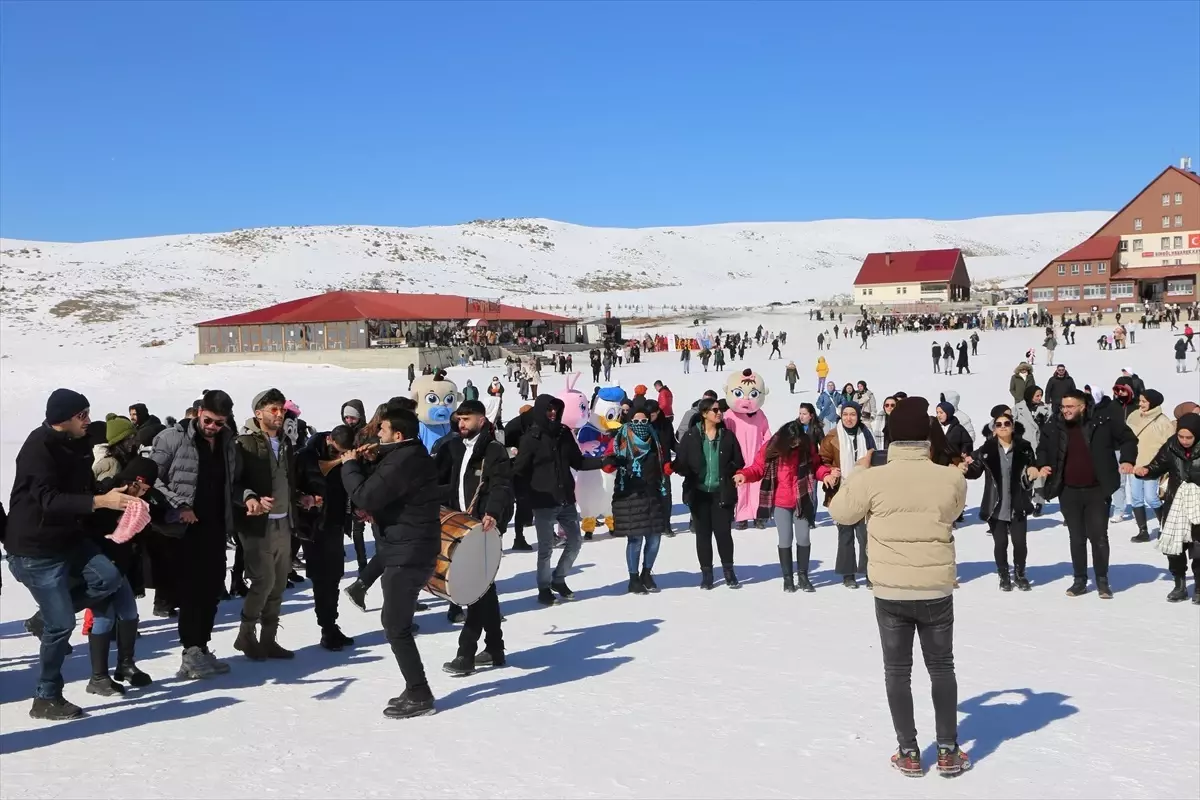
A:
(683, 694)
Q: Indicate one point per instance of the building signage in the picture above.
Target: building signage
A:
(1170, 253)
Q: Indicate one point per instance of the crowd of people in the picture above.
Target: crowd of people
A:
(162, 504)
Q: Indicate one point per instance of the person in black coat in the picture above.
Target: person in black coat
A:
(402, 495)
(963, 359)
(1004, 461)
(1074, 455)
(1057, 387)
(1179, 460)
(546, 455)
(475, 477)
(665, 431)
(707, 458)
(958, 442)
(522, 518)
(49, 553)
(325, 524)
(937, 358)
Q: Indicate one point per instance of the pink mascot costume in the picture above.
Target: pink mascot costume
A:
(745, 393)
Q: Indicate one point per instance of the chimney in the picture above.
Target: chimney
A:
(887, 259)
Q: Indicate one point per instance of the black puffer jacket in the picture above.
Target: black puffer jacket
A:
(689, 462)
(1104, 437)
(332, 517)
(986, 462)
(52, 495)
(638, 500)
(547, 454)
(958, 441)
(402, 495)
(1179, 466)
(1057, 388)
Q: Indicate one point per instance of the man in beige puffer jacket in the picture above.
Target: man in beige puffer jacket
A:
(910, 506)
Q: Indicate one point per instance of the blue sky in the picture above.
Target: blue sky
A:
(135, 119)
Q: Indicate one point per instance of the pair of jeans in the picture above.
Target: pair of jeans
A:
(1120, 495)
(545, 522)
(1143, 493)
(1181, 365)
(633, 551)
(1086, 513)
(268, 562)
(483, 618)
(50, 582)
(198, 561)
(1002, 531)
(122, 606)
(401, 585)
(791, 524)
(845, 564)
(712, 520)
(326, 565)
(933, 622)
(687, 366)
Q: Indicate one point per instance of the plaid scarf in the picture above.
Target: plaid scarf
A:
(805, 485)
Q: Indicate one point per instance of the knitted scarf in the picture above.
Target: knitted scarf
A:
(805, 485)
(631, 447)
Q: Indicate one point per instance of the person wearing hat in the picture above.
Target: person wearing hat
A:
(475, 476)
(120, 444)
(1153, 428)
(1179, 461)
(53, 494)
(912, 567)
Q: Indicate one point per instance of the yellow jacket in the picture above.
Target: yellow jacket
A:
(822, 368)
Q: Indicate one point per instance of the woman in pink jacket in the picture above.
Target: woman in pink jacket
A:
(787, 467)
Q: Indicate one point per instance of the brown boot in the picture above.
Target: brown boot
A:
(272, 648)
(247, 641)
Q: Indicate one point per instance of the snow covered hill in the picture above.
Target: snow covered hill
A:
(128, 292)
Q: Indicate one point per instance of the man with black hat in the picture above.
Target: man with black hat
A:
(53, 492)
(475, 476)
(912, 568)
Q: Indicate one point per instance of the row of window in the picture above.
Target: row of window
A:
(1166, 198)
(1101, 268)
(1099, 291)
(899, 290)
(1166, 221)
(1165, 243)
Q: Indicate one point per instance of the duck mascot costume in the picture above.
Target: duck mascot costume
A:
(745, 392)
(594, 429)
(436, 396)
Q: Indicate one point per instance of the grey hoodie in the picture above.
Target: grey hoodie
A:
(950, 396)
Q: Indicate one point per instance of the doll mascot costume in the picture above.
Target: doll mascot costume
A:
(593, 429)
(436, 396)
(745, 393)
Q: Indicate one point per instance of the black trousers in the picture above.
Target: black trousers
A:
(326, 564)
(199, 560)
(360, 544)
(1002, 531)
(712, 520)
(845, 563)
(1178, 564)
(161, 552)
(401, 585)
(933, 622)
(483, 619)
(1086, 513)
(372, 571)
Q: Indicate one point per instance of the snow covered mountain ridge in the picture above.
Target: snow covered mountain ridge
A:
(133, 291)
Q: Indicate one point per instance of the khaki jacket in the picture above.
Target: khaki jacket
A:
(1152, 428)
(910, 505)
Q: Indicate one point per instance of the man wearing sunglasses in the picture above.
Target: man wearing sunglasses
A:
(48, 549)
(198, 466)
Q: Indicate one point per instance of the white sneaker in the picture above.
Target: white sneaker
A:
(1117, 518)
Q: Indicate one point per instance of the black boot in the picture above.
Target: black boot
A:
(101, 683)
(1143, 535)
(802, 559)
(648, 581)
(563, 590)
(127, 670)
(460, 667)
(731, 578)
(521, 544)
(546, 597)
(785, 566)
(490, 658)
(410, 704)
(1005, 581)
(1078, 587)
(1179, 593)
(1103, 589)
(357, 592)
(1021, 581)
(849, 582)
(635, 584)
(706, 579)
(237, 585)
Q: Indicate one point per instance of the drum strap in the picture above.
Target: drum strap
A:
(470, 509)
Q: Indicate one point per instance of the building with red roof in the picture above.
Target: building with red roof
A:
(374, 329)
(913, 276)
(1147, 253)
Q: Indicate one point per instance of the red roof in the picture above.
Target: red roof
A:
(1155, 273)
(908, 267)
(350, 306)
(1099, 248)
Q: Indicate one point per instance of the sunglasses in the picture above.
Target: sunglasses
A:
(211, 422)
(889, 405)
(1001, 423)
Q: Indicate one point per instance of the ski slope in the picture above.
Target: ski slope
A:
(683, 694)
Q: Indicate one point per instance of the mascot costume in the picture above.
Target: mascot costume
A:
(745, 392)
(436, 396)
(593, 429)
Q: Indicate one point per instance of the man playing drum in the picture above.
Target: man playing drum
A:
(402, 495)
(475, 476)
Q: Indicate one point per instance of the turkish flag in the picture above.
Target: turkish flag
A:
(1193, 240)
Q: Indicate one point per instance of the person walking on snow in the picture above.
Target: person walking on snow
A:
(1051, 344)
(947, 358)
(937, 358)
(791, 375)
(822, 372)
(775, 349)
(963, 362)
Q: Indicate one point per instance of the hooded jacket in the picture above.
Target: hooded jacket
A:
(402, 496)
(143, 414)
(546, 455)
(332, 517)
(1030, 419)
(950, 396)
(1017, 384)
(357, 405)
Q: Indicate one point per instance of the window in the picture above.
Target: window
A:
(1068, 293)
(1179, 262)
(1095, 291)
(1124, 246)
(1137, 245)
(1087, 269)
(1166, 262)
(1179, 198)
(1101, 268)
(1062, 269)
(1181, 286)
(1177, 243)
(1179, 220)
(1137, 223)
(1166, 199)
(1165, 243)
(1043, 295)
(1074, 269)
(1119, 290)
(1166, 222)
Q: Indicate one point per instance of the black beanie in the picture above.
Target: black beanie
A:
(138, 468)
(1153, 397)
(909, 420)
(998, 410)
(1189, 422)
(64, 404)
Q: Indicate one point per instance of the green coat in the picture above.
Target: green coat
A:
(256, 479)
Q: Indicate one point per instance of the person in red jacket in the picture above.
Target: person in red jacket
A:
(787, 467)
(666, 400)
